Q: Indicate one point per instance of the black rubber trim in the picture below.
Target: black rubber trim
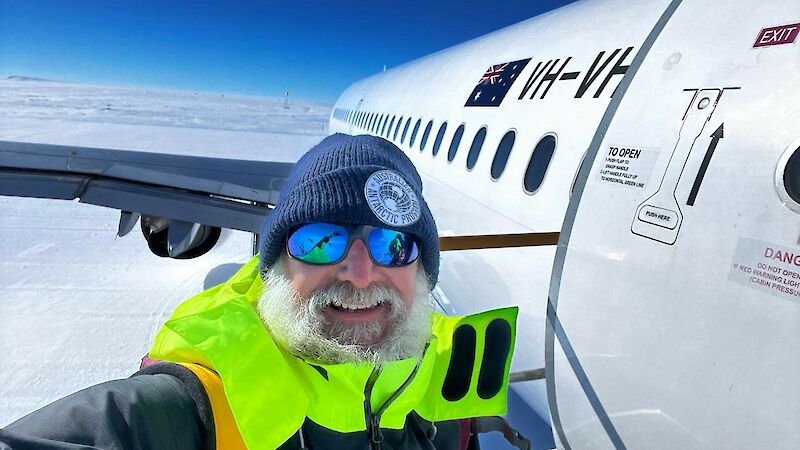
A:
(495, 356)
(462, 360)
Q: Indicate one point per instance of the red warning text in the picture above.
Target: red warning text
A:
(783, 256)
(767, 267)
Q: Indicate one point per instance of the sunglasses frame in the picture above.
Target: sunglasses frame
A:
(355, 232)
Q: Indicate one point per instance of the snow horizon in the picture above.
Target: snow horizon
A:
(80, 306)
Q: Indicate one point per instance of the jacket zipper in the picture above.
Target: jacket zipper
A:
(373, 420)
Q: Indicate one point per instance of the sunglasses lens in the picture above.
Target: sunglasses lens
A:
(318, 243)
(392, 248)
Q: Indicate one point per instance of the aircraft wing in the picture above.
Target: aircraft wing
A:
(217, 192)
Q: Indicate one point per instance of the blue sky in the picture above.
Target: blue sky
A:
(312, 49)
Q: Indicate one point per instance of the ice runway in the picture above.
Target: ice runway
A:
(79, 306)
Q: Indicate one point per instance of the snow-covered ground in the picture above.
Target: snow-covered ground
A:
(79, 306)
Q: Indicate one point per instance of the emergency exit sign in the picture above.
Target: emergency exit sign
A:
(784, 34)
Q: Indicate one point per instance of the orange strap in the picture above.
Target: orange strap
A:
(228, 437)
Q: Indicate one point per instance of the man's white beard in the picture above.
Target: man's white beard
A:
(300, 326)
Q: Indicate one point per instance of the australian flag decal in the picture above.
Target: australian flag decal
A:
(495, 83)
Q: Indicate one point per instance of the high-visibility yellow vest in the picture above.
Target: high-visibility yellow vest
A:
(463, 372)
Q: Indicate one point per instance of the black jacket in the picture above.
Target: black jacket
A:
(165, 407)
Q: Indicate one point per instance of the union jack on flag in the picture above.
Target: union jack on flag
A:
(493, 74)
(495, 83)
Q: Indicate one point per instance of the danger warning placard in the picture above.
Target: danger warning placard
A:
(767, 267)
(627, 166)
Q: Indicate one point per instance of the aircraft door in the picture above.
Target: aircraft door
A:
(674, 315)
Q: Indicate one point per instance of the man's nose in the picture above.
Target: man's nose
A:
(357, 267)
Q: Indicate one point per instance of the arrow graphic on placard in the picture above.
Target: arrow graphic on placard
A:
(715, 137)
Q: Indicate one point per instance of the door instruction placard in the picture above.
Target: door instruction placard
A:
(767, 267)
(627, 166)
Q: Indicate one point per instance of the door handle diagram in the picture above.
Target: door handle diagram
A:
(659, 217)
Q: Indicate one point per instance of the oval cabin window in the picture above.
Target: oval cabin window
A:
(414, 133)
(503, 152)
(425, 136)
(451, 153)
(439, 136)
(475, 148)
(540, 160)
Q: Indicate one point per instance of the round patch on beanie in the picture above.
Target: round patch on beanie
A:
(391, 199)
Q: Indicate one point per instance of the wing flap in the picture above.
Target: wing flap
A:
(218, 192)
(32, 184)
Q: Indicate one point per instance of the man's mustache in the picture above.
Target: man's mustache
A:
(344, 294)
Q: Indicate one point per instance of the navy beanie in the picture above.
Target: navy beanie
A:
(356, 180)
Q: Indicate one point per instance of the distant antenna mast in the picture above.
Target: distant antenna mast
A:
(286, 101)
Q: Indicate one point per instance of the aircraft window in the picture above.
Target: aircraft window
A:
(439, 136)
(405, 130)
(414, 133)
(791, 177)
(389, 129)
(451, 154)
(378, 124)
(425, 136)
(577, 172)
(540, 161)
(503, 152)
(475, 148)
(397, 128)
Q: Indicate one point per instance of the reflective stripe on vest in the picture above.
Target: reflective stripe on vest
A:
(225, 431)
(264, 384)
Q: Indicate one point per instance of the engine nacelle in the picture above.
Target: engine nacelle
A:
(177, 239)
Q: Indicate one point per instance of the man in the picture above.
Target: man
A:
(325, 340)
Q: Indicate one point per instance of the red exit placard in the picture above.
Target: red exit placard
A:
(784, 34)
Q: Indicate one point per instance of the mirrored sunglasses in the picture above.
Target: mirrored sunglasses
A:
(327, 243)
